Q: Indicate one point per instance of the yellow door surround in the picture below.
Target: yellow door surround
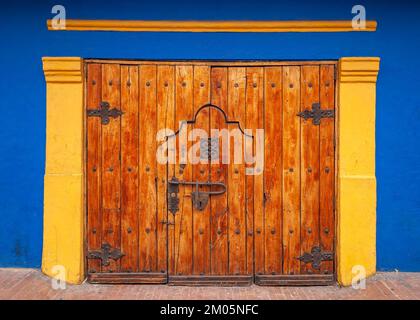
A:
(64, 213)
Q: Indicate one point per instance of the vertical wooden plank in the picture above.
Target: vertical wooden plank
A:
(165, 120)
(236, 173)
(218, 172)
(111, 184)
(129, 168)
(255, 190)
(147, 169)
(201, 219)
(272, 175)
(183, 218)
(327, 166)
(291, 169)
(93, 172)
(309, 166)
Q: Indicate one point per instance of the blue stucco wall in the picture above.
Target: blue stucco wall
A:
(25, 40)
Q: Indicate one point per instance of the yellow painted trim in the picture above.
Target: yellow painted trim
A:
(211, 26)
(64, 178)
(356, 225)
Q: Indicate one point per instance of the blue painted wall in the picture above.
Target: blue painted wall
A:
(25, 40)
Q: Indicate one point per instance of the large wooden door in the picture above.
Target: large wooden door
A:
(272, 224)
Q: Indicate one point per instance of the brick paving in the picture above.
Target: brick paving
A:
(32, 284)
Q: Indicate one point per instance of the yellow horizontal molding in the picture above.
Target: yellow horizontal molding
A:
(211, 26)
(62, 70)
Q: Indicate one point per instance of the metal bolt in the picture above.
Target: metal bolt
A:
(254, 84)
(310, 84)
(200, 231)
(273, 231)
(290, 169)
(94, 169)
(327, 170)
(236, 171)
(237, 231)
(129, 230)
(110, 82)
(327, 84)
(148, 83)
(202, 84)
(309, 169)
(147, 230)
(94, 230)
(273, 85)
(309, 230)
(129, 169)
(184, 84)
(93, 82)
(291, 86)
(236, 85)
(166, 84)
(219, 231)
(128, 83)
(219, 85)
(250, 233)
(290, 231)
(258, 230)
(326, 230)
(147, 168)
(110, 169)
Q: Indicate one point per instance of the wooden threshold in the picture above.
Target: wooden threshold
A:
(220, 281)
(133, 278)
(295, 280)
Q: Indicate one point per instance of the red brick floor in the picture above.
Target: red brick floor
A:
(32, 284)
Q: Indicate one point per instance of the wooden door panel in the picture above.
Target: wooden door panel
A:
(201, 219)
(267, 223)
(273, 251)
(218, 172)
(129, 168)
(309, 166)
(327, 166)
(182, 251)
(147, 170)
(291, 170)
(236, 173)
(111, 169)
(93, 165)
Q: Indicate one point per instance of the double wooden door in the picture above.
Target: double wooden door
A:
(171, 199)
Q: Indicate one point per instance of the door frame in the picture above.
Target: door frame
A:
(64, 181)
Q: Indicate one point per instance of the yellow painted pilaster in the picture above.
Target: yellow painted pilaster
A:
(63, 181)
(356, 225)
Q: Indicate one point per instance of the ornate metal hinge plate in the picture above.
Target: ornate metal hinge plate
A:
(316, 257)
(316, 114)
(105, 254)
(209, 148)
(104, 112)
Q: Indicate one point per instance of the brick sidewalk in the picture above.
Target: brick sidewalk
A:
(32, 284)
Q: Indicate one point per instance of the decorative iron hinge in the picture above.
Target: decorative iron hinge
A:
(104, 112)
(316, 114)
(105, 254)
(316, 257)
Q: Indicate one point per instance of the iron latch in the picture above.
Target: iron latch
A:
(199, 198)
